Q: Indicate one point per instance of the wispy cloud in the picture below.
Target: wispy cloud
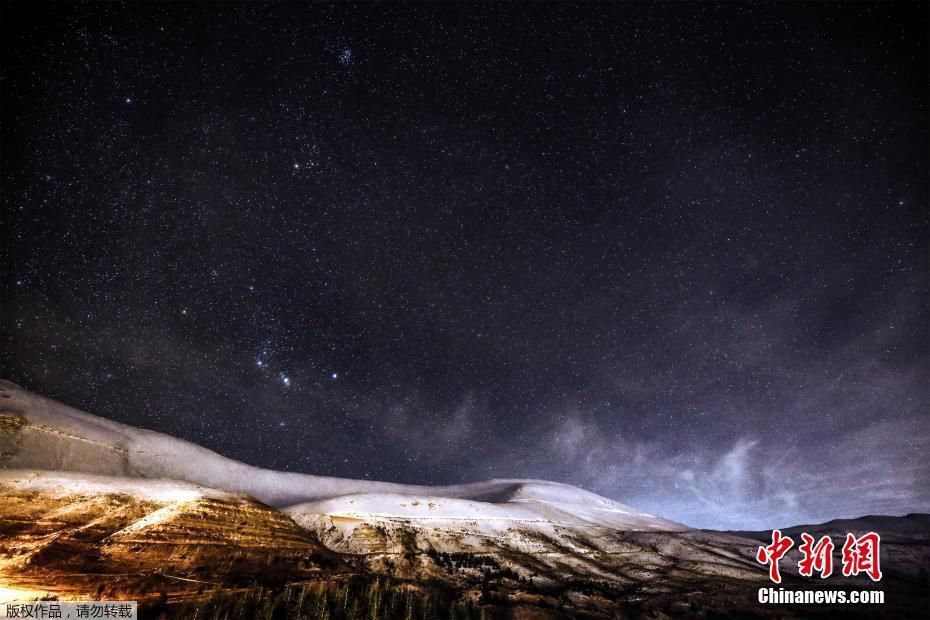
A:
(751, 482)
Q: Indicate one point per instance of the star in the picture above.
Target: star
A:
(641, 267)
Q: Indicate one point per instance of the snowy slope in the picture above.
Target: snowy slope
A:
(63, 483)
(39, 433)
(529, 503)
(82, 496)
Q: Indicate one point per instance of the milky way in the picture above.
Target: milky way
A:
(675, 254)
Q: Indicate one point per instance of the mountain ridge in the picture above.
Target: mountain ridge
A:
(41, 433)
(96, 509)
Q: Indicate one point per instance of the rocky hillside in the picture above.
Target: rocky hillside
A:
(94, 509)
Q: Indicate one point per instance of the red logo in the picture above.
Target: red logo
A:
(774, 552)
(860, 555)
(817, 557)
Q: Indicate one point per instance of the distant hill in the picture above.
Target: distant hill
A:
(912, 526)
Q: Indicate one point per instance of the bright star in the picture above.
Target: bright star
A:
(335, 375)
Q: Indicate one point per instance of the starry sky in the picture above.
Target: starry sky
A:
(676, 254)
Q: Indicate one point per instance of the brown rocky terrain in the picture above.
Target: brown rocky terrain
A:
(90, 509)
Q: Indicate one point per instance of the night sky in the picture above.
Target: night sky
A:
(675, 254)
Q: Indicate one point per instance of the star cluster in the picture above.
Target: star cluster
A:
(676, 254)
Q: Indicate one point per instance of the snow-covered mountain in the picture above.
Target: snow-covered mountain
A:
(90, 508)
(39, 433)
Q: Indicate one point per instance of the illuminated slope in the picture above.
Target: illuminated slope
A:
(94, 509)
(39, 433)
(67, 533)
